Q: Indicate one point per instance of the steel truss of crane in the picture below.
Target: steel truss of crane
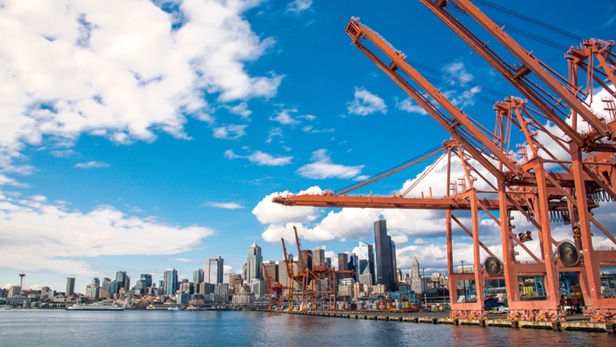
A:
(536, 184)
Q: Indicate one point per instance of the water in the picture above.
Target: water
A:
(184, 328)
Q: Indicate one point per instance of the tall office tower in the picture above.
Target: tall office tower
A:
(96, 281)
(416, 277)
(328, 261)
(354, 265)
(215, 270)
(121, 279)
(283, 277)
(343, 262)
(70, 286)
(318, 255)
(106, 284)
(147, 280)
(393, 257)
(92, 290)
(384, 257)
(198, 276)
(307, 256)
(171, 281)
(272, 271)
(254, 261)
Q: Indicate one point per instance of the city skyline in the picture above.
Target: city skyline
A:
(147, 145)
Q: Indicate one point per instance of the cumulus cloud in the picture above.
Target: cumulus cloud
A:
(39, 236)
(409, 106)
(91, 165)
(284, 117)
(298, 6)
(81, 67)
(260, 158)
(322, 168)
(276, 231)
(365, 103)
(226, 205)
(230, 131)
(268, 212)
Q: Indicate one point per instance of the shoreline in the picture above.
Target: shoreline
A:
(575, 324)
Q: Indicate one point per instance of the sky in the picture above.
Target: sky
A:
(141, 135)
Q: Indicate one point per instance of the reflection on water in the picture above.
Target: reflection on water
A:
(157, 328)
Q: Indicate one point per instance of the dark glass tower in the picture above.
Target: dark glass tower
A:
(384, 256)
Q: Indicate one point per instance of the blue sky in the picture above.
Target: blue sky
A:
(142, 135)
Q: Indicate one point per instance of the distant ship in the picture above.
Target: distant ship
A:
(95, 307)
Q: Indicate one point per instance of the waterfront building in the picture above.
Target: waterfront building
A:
(198, 276)
(182, 298)
(257, 287)
(221, 290)
(70, 286)
(14, 291)
(384, 256)
(215, 270)
(254, 264)
(92, 290)
(45, 292)
(171, 281)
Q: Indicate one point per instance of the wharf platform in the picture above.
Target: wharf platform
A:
(573, 323)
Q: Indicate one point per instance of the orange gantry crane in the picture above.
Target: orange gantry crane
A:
(525, 183)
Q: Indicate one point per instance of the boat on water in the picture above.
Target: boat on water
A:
(95, 307)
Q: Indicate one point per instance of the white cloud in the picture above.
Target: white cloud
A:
(273, 132)
(298, 6)
(91, 165)
(409, 106)
(260, 158)
(226, 205)
(268, 212)
(39, 236)
(323, 168)
(366, 103)
(240, 109)
(276, 231)
(284, 117)
(85, 67)
(350, 223)
(230, 132)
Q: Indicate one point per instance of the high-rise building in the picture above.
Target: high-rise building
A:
(272, 270)
(198, 276)
(393, 258)
(343, 262)
(415, 277)
(121, 279)
(384, 257)
(366, 260)
(318, 255)
(147, 280)
(106, 284)
(215, 270)
(171, 281)
(96, 281)
(70, 286)
(254, 261)
(92, 290)
(283, 277)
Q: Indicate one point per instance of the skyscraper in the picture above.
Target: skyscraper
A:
(318, 255)
(121, 278)
(171, 281)
(366, 261)
(254, 261)
(70, 286)
(147, 280)
(384, 257)
(198, 276)
(215, 270)
(416, 277)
